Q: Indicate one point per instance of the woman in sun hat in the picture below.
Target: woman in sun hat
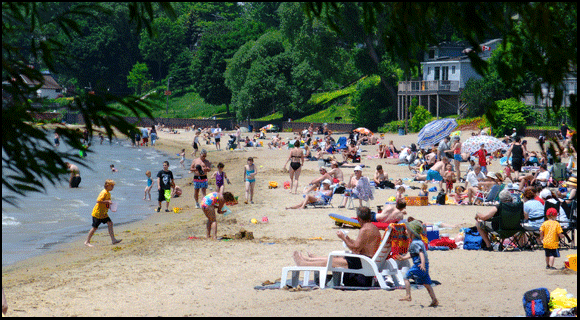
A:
(571, 185)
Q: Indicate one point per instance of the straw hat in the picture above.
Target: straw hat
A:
(571, 182)
(415, 227)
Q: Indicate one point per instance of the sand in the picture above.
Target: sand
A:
(161, 269)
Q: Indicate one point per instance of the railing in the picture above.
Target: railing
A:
(432, 86)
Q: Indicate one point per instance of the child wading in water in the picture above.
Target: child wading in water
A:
(220, 176)
(100, 213)
(250, 172)
(182, 155)
(149, 185)
(420, 269)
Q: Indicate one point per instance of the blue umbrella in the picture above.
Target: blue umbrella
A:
(435, 131)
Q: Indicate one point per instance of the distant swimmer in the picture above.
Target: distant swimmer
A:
(75, 175)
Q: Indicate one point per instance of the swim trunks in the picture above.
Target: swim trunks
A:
(457, 157)
(74, 183)
(200, 182)
(434, 175)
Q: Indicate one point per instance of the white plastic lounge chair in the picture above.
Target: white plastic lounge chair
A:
(378, 266)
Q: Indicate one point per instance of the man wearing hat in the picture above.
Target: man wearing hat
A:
(360, 186)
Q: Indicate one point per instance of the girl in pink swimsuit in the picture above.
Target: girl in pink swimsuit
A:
(208, 205)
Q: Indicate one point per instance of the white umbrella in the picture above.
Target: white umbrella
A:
(491, 144)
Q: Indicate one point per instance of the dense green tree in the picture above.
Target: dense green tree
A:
(28, 159)
(219, 42)
(511, 113)
(138, 77)
(180, 70)
(165, 44)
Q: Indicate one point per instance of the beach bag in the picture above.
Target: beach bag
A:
(441, 198)
(536, 303)
(472, 239)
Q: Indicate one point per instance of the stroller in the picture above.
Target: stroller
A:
(232, 142)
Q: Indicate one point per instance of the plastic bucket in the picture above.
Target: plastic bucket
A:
(572, 261)
(113, 206)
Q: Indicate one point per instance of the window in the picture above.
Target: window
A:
(452, 69)
(436, 77)
(445, 73)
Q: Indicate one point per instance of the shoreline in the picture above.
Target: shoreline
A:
(158, 270)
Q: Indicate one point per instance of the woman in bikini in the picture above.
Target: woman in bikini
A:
(296, 160)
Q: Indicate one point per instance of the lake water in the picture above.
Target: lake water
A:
(62, 214)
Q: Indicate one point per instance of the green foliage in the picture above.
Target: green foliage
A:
(419, 119)
(392, 126)
(139, 77)
(372, 107)
(511, 113)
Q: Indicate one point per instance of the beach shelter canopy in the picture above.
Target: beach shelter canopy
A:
(491, 144)
(435, 131)
(363, 130)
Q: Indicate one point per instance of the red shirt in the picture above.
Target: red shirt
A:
(481, 153)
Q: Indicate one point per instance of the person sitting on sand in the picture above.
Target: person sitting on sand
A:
(436, 172)
(322, 196)
(381, 179)
(366, 243)
(336, 173)
(316, 182)
(350, 152)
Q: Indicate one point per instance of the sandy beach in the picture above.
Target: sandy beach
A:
(166, 267)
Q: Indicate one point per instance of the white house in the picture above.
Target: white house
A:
(446, 70)
(50, 88)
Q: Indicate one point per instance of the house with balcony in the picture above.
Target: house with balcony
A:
(445, 71)
(49, 89)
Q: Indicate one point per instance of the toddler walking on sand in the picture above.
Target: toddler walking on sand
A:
(420, 269)
(100, 215)
(550, 235)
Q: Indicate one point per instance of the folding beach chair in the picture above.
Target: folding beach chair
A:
(341, 143)
(507, 224)
(491, 197)
(362, 191)
(323, 203)
(570, 230)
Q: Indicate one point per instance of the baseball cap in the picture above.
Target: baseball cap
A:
(552, 212)
(358, 168)
(327, 181)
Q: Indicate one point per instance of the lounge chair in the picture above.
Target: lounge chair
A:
(491, 197)
(323, 203)
(395, 242)
(340, 144)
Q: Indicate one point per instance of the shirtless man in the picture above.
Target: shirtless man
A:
(366, 243)
(200, 167)
(75, 175)
(392, 213)
(316, 182)
(350, 151)
(435, 172)
(336, 173)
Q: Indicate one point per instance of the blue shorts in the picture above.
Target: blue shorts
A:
(200, 184)
(457, 157)
(434, 175)
(420, 276)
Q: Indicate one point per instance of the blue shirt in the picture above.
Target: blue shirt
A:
(534, 209)
(416, 246)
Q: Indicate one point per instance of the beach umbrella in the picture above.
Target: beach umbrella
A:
(268, 127)
(491, 144)
(435, 131)
(363, 130)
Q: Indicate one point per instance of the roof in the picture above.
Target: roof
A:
(49, 82)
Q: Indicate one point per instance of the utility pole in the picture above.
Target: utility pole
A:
(167, 93)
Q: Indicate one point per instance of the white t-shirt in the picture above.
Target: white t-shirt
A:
(544, 176)
(217, 133)
(472, 178)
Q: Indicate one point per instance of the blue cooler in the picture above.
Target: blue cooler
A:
(432, 233)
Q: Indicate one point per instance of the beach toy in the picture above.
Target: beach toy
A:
(572, 262)
(272, 184)
(113, 206)
(226, 210)
(254, 221)
(286, 184)
(176, 210)
(264, 219)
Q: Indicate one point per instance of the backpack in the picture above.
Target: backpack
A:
(441, 198)
(536, 303)
(472, 239)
